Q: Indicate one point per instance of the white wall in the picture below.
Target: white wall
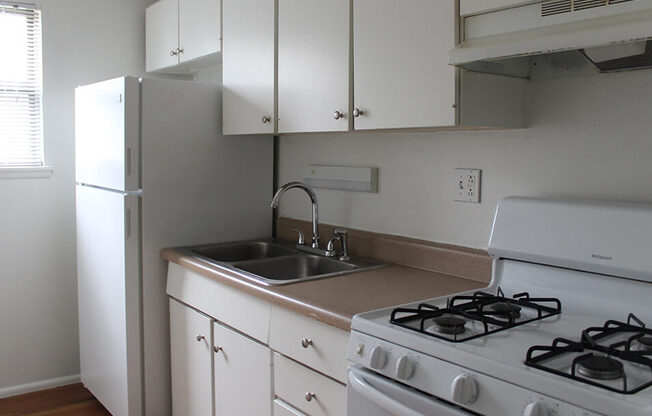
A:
(83, 41)
(589, 137)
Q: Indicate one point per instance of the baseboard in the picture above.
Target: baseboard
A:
(38, 385)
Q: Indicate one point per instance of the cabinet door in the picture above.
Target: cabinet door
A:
(190, 349)
(199, 28)
(161, 34)
(248, 66)
(313, 65)
(243, 379)
(401, 72)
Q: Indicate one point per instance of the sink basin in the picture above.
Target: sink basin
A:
(273, 263)
(241, 251)
(295, 267)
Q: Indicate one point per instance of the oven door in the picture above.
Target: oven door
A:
(369, 394)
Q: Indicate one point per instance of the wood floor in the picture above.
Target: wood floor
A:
(72, 400)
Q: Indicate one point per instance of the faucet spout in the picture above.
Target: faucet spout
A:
(313, 200)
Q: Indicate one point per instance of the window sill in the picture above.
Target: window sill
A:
(26, 172)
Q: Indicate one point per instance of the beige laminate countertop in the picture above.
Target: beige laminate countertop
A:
(336, 299)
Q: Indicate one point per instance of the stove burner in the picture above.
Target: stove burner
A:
(599, 367)
(448, 324)
(504, 309)
(645, 344)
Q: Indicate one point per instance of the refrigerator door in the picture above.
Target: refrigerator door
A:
(107, 134)
(109, 297)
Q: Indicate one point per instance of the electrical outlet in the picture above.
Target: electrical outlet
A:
(467, 185)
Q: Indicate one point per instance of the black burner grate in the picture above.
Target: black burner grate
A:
(627, 350)
(494, 313)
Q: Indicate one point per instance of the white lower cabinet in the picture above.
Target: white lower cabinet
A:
(308, 390)
(315, 344)
(230, 370)
(191, 355)
(243, 376)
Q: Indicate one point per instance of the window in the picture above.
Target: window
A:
(21, 137)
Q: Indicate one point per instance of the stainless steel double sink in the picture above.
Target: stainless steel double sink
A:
(275, 263)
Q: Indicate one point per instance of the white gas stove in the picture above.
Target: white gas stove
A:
(559, 331)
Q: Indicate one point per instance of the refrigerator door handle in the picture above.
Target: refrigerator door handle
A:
(128, 224)
(128, 161)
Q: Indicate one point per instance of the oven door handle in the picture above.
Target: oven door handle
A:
(384, 401)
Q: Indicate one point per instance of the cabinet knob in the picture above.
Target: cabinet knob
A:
(305, 343)
(357, 112)
(174, 52)
(309, 396)
(200, 338)
(179, 51)
(217, 348)
(338, 115)
(266, 119)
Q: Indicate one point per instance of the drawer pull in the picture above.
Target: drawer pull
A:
(305, 343)
(217, 348)
(200, 338)
(310, 396)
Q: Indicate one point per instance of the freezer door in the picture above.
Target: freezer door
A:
(107, 134)
(109, 298)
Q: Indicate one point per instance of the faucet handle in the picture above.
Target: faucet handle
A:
(302, 239)
(343, 236)
(330, 247)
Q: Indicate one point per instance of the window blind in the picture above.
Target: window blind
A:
(21, 137)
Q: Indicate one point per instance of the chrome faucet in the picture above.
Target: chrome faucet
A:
(313, 200)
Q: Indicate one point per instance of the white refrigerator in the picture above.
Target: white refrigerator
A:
(152, 171)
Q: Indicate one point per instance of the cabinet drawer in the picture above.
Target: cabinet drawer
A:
(296, 384)
(283, 409)
(315, 344)
(226, 304)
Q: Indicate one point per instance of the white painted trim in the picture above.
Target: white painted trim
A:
(39, 385)
(26, 172)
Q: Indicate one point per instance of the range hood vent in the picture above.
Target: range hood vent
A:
(613, 34)
(636, 55)
(551, 8)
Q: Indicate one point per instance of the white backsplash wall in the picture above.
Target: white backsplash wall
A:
(590, 137)
(83, 42)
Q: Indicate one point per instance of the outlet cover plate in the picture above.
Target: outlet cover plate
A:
(467, 185)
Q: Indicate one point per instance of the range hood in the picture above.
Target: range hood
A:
(614, 35)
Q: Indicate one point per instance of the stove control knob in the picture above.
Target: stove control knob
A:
(464, 389)
(535, 409)
(404, 368)
(378, 358)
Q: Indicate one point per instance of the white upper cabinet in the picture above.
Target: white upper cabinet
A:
(313, 65)
(396, 76)
(179, 32)
(401, 74)
(161, 34)
(248, 31)
(199, 28)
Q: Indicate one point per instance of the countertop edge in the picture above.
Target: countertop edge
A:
(260, 291)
